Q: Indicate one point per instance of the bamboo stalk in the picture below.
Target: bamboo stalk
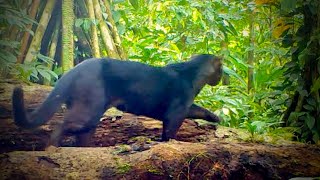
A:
(24, 42)
(43, 23)
(67, 35)
(251, 53)
(94, 32)
(53, 45)
(114, 30)
(105, 32)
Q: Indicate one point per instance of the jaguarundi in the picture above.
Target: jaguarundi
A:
(164, 93)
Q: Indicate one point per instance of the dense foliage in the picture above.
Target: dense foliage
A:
(165, 31)
(302, 27)
(12, 17)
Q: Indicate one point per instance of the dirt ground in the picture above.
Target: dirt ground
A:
(110, 132)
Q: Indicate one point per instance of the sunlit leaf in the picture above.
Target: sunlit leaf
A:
(260, 126)
(232, 29)
(53, 74)
(44, 74)
(78, 22)
(105, 15)
(259, 2)
(316, 85)
(34, 73)
(233, 73)
(175, 47)
(44, 58)
(278, 31)
(195, 15)
(134, 3)
(116, 16)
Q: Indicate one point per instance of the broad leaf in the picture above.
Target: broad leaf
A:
(233, 73)
(310, 121)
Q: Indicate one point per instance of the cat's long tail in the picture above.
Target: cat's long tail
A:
(43, 113)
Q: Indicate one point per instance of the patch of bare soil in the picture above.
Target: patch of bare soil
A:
(127, 147)
(111, 131)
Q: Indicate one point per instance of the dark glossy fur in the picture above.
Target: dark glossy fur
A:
(164, 93)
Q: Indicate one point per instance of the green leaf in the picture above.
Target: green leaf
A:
(116, 16)
(311, 102)
(230, 101)
(288, 5)
(295, 115)
(57, 70)
(44, 58)
(134, 3)
(121, 29)
(190, 41)
(316, 137)
(11, 44)
(44, 74)
(53, 74)
(233, 73)
(308, 107)
(260, 126)
(239, 64)
(310, 121)
(34, 73)
(118, 1)
(232, 29)
(303, 93)
(78, 22)
(175, 47)
(30, 31)
(105, 15)
(7, 57)
(316, 85)
(87, 23)
(195, 15)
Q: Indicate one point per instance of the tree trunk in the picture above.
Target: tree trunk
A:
(105, 32)
(225, 53)
(83, 9)
(251, 52)
(36, 40)
(311, 72)
(114, 30)
(94, 32)
(47, 37)
(53, 45)
(315, 75)
(67, 35)
(26, 35)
